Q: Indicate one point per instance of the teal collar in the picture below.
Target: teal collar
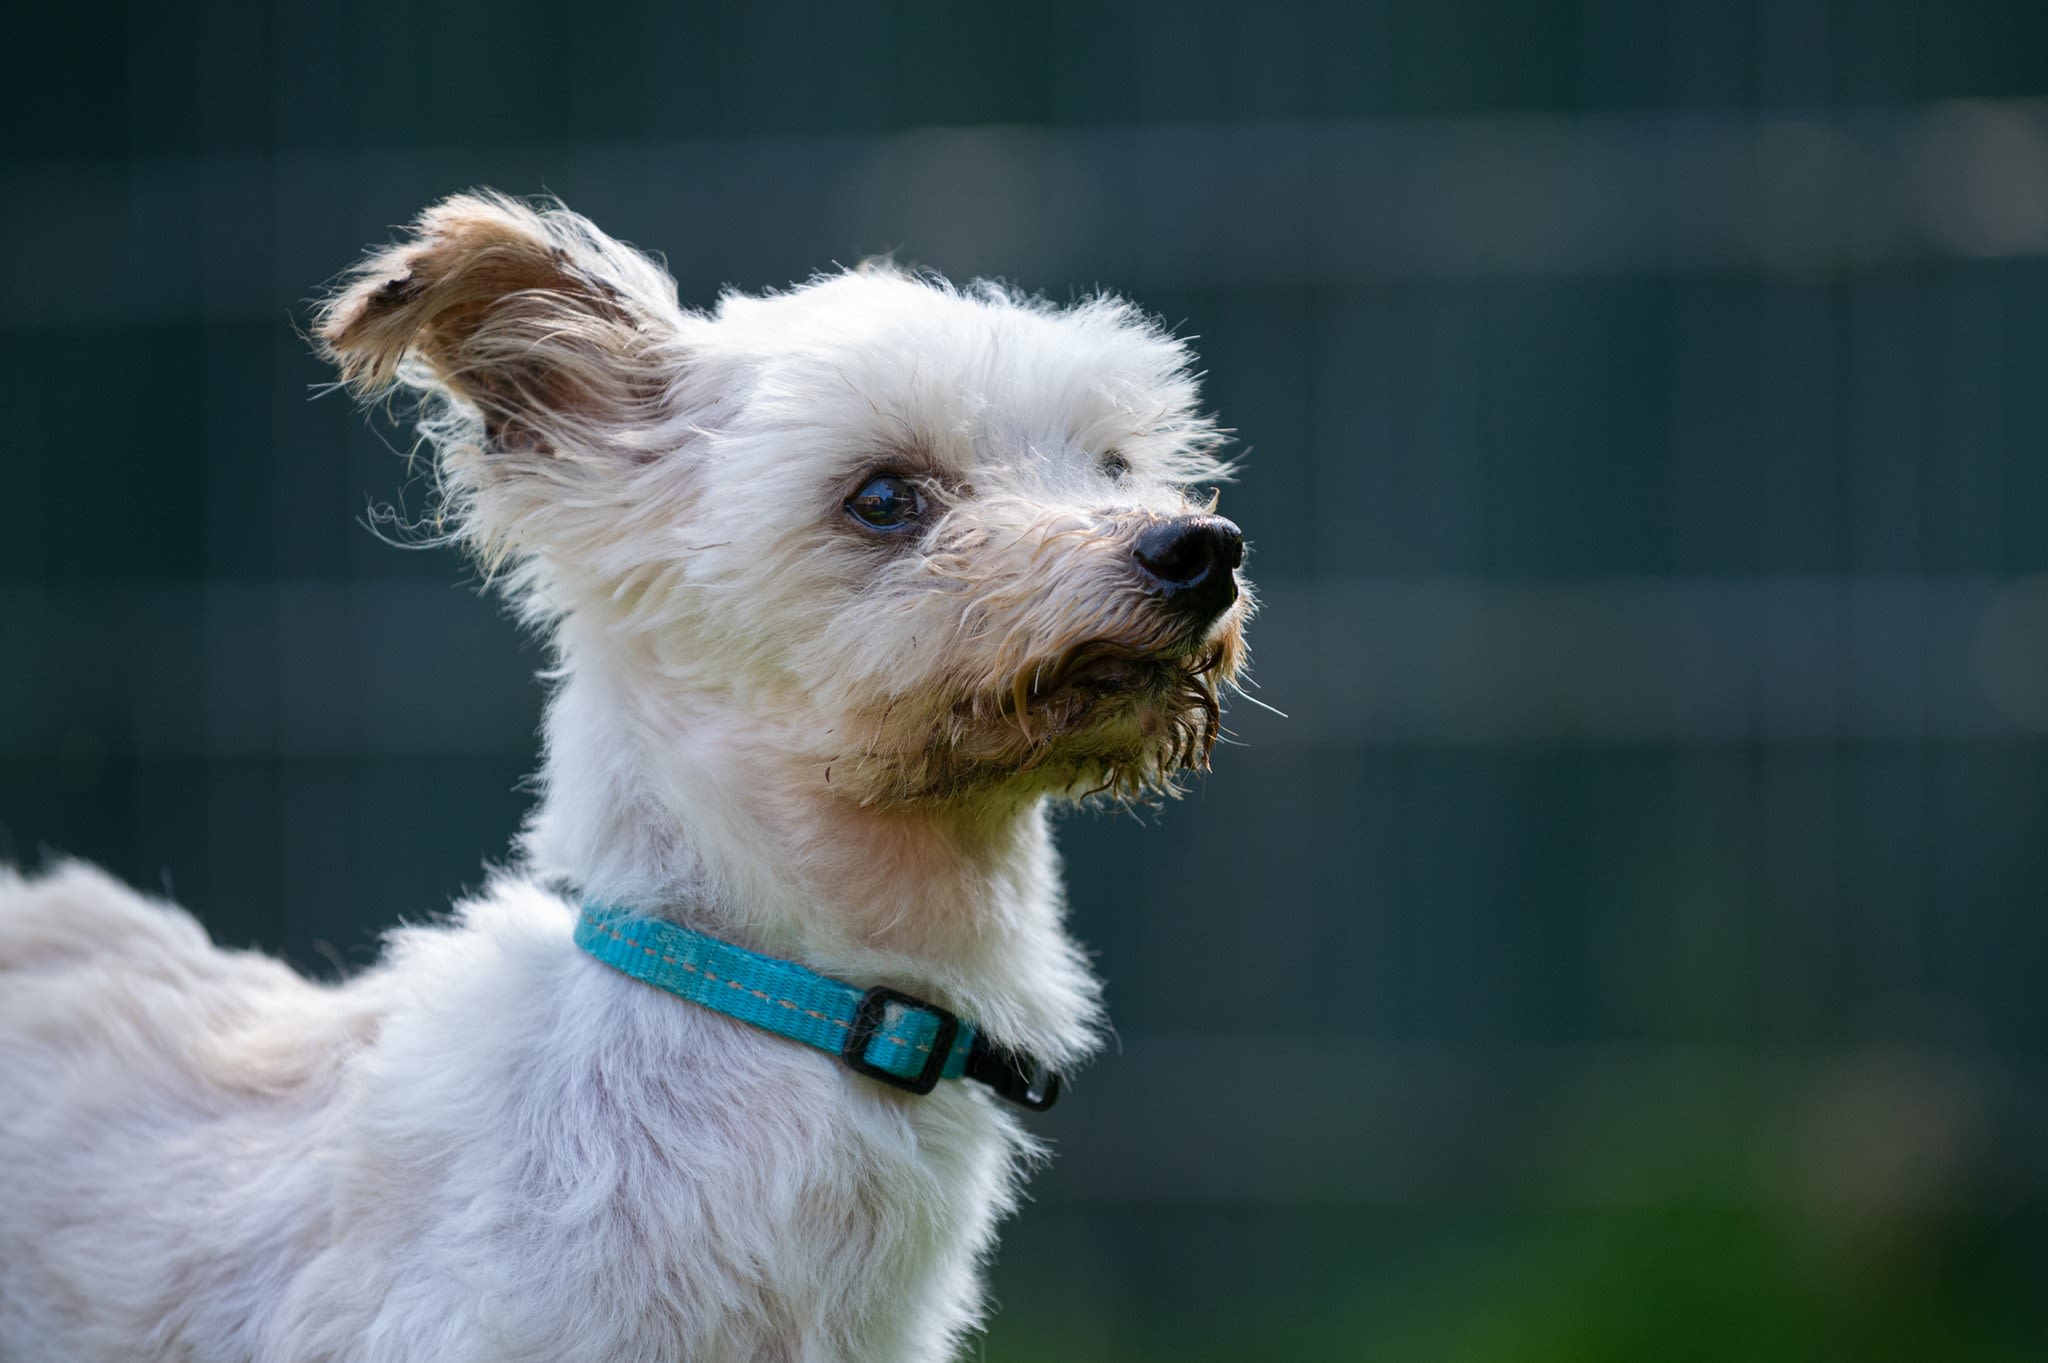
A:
(900, 1040)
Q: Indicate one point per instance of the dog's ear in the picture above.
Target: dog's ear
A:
(563, 352)
(528, 315)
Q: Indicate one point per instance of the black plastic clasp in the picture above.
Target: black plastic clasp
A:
(1028, 1082)
(870, 1018)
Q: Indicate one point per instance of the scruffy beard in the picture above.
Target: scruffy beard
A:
(1109, 721)
(1101, 719)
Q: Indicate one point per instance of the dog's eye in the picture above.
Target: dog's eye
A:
(889, 502)
(1115, 466)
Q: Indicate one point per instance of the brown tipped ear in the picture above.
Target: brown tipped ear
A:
(534, 317)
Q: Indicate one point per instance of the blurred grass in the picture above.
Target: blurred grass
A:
(1677, 1285)
(1857, 1214)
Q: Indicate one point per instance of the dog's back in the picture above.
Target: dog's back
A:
(145, 1077)
(109, 1001)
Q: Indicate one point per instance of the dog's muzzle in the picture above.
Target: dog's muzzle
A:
(1191, 564)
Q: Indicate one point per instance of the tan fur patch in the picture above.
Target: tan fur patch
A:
(494, 299)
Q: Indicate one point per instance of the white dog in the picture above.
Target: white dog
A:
(844, 586)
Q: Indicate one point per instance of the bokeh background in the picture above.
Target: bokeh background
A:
(1632, 943)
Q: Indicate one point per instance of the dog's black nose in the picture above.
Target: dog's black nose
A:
(1192, 563)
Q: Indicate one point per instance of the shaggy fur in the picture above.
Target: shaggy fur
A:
(768, 721)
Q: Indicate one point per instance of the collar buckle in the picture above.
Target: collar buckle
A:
(871, 1017)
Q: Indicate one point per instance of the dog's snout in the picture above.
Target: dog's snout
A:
(1192, 562)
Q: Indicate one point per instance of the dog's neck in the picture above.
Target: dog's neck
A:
(689, 811)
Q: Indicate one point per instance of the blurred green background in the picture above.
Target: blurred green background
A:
(1631, 946)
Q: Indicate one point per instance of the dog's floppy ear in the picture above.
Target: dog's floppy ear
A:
(562, 351)
(532, 316)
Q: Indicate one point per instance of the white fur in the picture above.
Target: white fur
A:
(769, 723)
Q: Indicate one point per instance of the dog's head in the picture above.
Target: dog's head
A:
(938, 542)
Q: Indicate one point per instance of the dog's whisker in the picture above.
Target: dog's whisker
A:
(1242, 694)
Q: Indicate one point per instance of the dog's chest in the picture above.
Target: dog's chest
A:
(704, 1189)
